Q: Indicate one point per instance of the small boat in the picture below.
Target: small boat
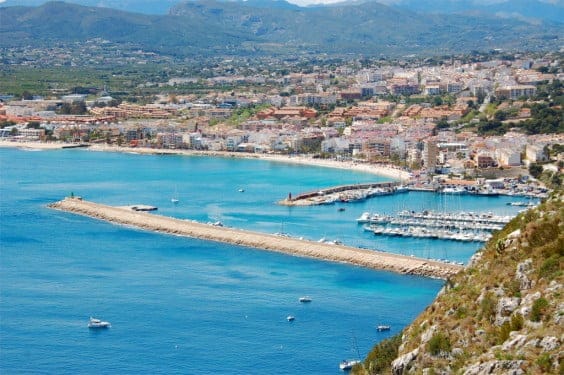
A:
(401, 189)
(382, 328)
(216, 223)
(94, 323)
(290, 318)
(241, 190)
(305, 299)
(174, 198)
(347, 364)
(341, 209)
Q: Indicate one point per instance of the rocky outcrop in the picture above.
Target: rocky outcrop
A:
(402, 364)
(504, 313)
(496, 367)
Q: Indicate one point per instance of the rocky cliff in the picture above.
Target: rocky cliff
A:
(504, 314)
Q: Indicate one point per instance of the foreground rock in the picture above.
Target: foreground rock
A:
(292, 246)
(504, 314)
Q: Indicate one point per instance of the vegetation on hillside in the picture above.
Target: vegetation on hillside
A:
(502, 314)
(547, 113)
(213, 28)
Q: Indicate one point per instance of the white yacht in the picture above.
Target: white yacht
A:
(347, 364)
(305, 299)
(94, 323)
(382, 328)
(364, 218)
(290, 318)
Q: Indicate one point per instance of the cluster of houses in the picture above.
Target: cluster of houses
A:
(361, 119)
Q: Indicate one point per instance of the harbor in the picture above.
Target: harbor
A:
(289, 245)
(359, 192)
(455, 226)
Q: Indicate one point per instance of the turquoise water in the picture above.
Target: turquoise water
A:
(186, 306)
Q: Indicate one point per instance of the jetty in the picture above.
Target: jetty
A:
(341, 193)
(283, 244)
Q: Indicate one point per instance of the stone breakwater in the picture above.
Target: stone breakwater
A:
(287, 245)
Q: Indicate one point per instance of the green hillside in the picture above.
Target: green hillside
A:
(504, 314)
(212, 28)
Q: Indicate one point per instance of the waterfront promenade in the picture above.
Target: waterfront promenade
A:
(288, 245)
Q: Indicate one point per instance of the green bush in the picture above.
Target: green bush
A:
(550, 268)
(538, 309)
(503, 333)
(382, 355)
(517, 322)
(461, 312)
(438, 343)
(543, 361)
(487, 306)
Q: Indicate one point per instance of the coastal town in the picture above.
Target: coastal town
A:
(439, 124)
(282, 186)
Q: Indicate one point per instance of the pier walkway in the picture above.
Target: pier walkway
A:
(332, 194)
(288, 245)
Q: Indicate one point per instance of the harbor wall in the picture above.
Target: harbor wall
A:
(335, 253)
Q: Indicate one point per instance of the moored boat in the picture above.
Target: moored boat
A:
(381, 328)
(347, 364)
(94, 323)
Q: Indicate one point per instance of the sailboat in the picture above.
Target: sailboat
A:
(174, 198)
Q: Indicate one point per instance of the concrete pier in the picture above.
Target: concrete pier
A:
(292, 246)
(319, 196)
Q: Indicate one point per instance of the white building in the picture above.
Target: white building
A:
(508, 157)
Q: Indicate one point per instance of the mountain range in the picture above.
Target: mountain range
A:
(531, 10)
(211, 27)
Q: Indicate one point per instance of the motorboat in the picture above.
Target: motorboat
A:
(94, 323)
(382, 328)
(305, 299)
(290, 318)
(453, 190)
(364, 218)
(401, 189)
(348, 364)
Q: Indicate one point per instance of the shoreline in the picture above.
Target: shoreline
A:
(379, 170)
(372, 259)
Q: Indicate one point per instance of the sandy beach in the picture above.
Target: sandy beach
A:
(33, 145)
(380, 170)
(287, 245)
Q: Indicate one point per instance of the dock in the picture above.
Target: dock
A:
(341, 193)
(372, 259)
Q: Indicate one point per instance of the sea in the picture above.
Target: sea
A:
(185, 306)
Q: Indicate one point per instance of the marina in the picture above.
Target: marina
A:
(455, 226)
(360, 192)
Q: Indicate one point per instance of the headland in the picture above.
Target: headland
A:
(288, 245)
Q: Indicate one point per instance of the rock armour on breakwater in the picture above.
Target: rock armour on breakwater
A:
(292, 246)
